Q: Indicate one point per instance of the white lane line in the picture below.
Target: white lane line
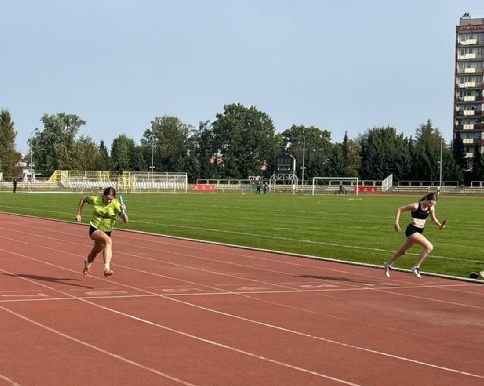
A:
(8, 380)
(277, 327)
(116, 356)
(184, 334)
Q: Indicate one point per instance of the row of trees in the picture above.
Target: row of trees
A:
(240, 142)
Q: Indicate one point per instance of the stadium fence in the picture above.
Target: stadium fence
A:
(132, 182)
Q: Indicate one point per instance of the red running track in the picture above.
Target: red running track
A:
(177, 312)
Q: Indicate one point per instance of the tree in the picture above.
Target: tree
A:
(54, 147)
(243, 140)
(8, 155)
(104, 156)
(450, 170)
(477, 173)
(169, 138)
(88, 155)
(122, 154)
(459, 153)
(317, 148)
(383, 152)
(335, 164)
(428, 143)
(350, 156)
(202, 164)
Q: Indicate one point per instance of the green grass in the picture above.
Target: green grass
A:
(340, 227)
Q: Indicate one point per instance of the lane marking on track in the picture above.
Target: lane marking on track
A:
(278, 327)
(271, 326)
(105, 293)
(166, 328)
(11, 381)
(24, 296)
(315, 286)
(91, 346)
(22, 293)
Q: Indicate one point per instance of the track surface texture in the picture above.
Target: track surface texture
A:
(180, 312)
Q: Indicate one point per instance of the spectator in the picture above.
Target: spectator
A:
(259, 185)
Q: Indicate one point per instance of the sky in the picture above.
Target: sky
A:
(339, 65)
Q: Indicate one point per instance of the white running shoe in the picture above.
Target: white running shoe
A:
(387, 269)
(416, 272)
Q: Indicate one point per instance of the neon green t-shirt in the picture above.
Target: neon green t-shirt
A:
(103, 215)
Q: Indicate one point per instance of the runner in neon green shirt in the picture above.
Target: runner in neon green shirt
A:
(105, 209)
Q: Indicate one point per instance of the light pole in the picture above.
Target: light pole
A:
(31, 165)
(304, 150)
(152, 167)
(440, 162)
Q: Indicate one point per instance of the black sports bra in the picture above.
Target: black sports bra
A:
(420, 213)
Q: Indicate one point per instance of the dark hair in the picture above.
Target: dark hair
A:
(110, 191)
(430, 197)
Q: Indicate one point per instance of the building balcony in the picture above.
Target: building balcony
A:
(477, 85)
(470, 70)
(469, 42)
(468, 98)
(469, 126)
(469, 57)
(468, 113)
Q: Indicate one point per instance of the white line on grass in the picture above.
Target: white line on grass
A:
(292, 240)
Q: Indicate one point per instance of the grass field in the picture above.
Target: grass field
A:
(348, 228)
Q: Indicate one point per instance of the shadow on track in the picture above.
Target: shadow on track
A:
(342, 279)
(65, 281)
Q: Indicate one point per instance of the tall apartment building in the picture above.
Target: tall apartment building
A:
(468, 102)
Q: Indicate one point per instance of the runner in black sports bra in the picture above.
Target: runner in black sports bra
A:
(420, 214)
(414, 231)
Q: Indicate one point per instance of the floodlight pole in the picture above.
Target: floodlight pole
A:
(304, 150)
(32, 135)
(152, 167)
(440, 181)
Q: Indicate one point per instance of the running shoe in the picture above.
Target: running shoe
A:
(85, 271)
(387, 269)
(108, 272)
(416, 272)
